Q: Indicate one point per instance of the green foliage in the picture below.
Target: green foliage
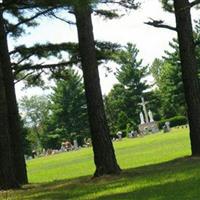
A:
(68, 117)
(61, 117)
(25, 140)
(167, 5)
(114, 108)
(27, 69)
(122, 101)
(167, 74)
(20, 16)
(154, 103)
(35, 110)
(174, 121)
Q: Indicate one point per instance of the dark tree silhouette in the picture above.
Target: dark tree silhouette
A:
(13, 115)
(104, 156)
(189, 66)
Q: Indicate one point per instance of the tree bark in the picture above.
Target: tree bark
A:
(13, 114)
(7, 176)
(189, 71)
(104, 156)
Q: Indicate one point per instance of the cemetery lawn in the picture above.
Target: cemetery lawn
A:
(155, 167)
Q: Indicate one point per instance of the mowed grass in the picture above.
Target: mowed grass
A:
(156, 166)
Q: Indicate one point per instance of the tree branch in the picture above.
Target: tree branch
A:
(63, 20)
(29, 19)
(41, 66)
(126, 4)
(194, 3)
(24, 77)
(21, 60)
(160, 24)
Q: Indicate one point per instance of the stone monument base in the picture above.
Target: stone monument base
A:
(151, 127)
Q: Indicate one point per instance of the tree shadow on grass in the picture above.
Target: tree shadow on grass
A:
(177, 179)
(177, 190)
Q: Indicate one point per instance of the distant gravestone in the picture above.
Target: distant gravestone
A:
(75, 144)
(166, 127)
(119, 135)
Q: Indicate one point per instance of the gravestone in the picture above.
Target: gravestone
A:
(166, 127)
(119, 135)
(75, 144)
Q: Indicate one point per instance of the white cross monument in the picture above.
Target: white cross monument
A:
(143, 104)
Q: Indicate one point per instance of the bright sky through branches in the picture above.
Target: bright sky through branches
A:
(150, 41)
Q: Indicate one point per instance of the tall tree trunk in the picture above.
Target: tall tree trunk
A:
(189, 71)
(13, 115)
(104, 156)
(7, 176)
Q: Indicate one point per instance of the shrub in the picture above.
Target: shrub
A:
(174, 121)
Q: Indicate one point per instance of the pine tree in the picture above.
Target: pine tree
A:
(13, 115)
(68, 111)
(104, 156)
(7, 175)
(189, 64)
(124, 98)
(189, 70)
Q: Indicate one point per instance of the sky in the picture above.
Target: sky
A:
(150, 41)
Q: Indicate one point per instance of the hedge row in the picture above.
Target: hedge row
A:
(174, 121)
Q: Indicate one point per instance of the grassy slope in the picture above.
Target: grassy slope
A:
(152, 171)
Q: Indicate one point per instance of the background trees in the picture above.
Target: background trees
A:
(170, 87)
(35, 110)
(122, 102)
(61, 116)
(68, 117)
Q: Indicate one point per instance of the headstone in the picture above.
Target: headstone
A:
(167, 126)
(33, 154)
(119, 135)
(132, 134)
(75, 144)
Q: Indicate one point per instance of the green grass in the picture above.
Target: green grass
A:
(155, 167)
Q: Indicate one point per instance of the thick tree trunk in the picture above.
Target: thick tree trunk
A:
(7, 176)
(189, 71)
(104, 156)
(13, 115)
